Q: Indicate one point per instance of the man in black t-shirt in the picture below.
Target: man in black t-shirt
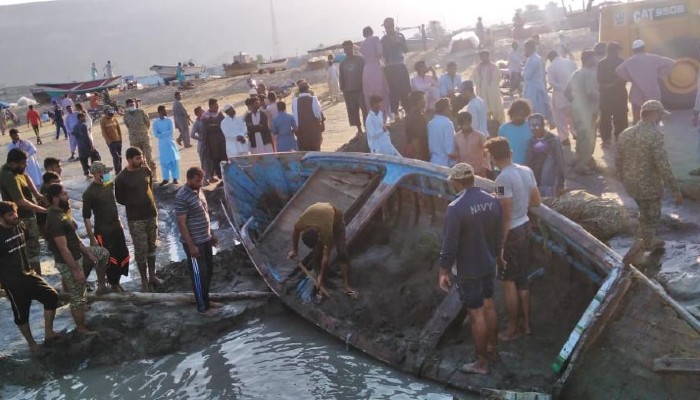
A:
(133, 189)
(21, 284)
(72, 259)
(15, 186)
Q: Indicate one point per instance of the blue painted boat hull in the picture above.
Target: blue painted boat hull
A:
(399, 209)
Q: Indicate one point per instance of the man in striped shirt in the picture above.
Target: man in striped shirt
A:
(197, 238)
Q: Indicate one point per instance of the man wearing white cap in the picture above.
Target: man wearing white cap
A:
(643, 167)
(235, 132)
(644, 71)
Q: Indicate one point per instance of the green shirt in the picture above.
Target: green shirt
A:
(99, 199)
(14, 187)
(133, 189)
(58, 224)
(325, 217)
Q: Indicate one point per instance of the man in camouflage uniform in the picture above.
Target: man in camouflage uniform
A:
(137, 122)
(73, 260)
(644, 169)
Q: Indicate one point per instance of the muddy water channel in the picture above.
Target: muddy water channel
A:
(252, 350)
(279, 357)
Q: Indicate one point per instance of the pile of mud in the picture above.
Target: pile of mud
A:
(128, 332)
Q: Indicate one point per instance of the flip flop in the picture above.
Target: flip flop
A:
(503, 338)
(473, 368)
(353, 294)
(319, 297)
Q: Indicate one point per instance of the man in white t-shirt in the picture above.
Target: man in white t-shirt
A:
(516, 188)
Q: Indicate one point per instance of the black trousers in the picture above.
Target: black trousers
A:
(612, 114)
(115, 149)
(399, 83)
(95, 156)
(354, 103)
(201, 270)
(60, 125)
(26, 289)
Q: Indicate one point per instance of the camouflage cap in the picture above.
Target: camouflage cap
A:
(461, 171)
(99, 168)
(654, 105)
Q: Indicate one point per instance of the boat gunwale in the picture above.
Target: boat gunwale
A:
(589, 247)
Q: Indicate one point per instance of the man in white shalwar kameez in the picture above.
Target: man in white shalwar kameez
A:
(378, 137)
(558, 73)
(236, 132)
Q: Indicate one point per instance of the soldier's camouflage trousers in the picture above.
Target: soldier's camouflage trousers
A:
(145, 145)
(649, 217)
(144, 234)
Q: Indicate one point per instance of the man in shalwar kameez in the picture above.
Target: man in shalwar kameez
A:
(582, 91)
(535, 90)
(487, 78)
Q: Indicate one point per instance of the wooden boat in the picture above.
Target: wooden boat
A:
(394, 211)
(273, 66)
(169, 72)
(316, 63)
(242, 65)
(44, 92)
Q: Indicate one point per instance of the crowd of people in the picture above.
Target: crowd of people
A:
(449, 121)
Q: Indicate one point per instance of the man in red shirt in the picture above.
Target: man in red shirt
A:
(34, 119)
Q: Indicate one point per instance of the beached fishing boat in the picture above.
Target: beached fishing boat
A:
(394, 212)
(273, 66)
(44, 92)
(242, 65)
(169, 72)
(316, 63)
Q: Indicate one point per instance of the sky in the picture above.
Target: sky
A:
(11, 2)
(135, 34)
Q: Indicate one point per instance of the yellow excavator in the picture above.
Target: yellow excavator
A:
(669, 28)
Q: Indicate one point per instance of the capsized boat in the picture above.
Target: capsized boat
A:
(394, 212)
(44, 92)
(169, 72)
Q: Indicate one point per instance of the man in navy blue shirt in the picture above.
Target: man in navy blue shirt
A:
(473, 238)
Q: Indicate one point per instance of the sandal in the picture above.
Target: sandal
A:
(474, 368)
(319, 297)
(353, 294)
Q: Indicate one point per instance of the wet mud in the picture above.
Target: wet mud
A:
(127, 332)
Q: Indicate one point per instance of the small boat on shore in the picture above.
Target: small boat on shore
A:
(273, 66)
(316, 63)
(169, 72)
(44, 92)
(394, 212)
(242, 65)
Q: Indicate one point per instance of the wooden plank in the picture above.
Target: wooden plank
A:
(659, 290)
(669, 364)
(443, 316)
(143, 298)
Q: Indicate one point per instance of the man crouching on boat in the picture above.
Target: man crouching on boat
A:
(320, 227)
(473, 238)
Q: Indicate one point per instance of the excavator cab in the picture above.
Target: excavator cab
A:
(669, 28)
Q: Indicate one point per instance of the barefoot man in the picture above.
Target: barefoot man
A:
(516, 188)
(72, 259)
(473, 238)
(320, 227)
(18, 279)
(198, 239)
